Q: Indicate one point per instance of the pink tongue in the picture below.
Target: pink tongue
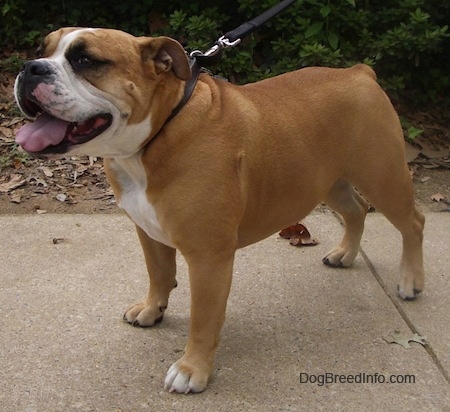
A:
(43, 132)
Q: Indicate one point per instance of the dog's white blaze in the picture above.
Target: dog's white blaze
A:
(133, 199)
(68, 38)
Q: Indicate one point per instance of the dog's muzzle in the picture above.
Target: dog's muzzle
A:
(39, 95)
(31, 75)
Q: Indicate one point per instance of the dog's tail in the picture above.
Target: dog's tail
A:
(366, 69)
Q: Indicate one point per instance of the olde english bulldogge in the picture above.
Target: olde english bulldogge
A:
(255, 158)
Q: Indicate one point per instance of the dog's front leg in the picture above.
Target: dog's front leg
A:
(161, 266)
(210, 281)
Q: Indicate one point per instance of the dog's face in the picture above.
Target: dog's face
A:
(97, 91)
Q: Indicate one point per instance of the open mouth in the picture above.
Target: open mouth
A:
(49, 135)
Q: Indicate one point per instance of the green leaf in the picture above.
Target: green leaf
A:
(413, 132)
(333, 39)
(314, 29)
(325, 11)
(6, 8)
(352, 2)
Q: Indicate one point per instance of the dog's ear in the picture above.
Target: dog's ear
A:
(167, 55)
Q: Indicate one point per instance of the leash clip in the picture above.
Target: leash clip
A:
(225, 42)
(210, 58)
(220, 44)
(213, 55)
(210, 52)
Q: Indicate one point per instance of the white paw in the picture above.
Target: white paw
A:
(178, 381)
(408, 293)
(340, 257)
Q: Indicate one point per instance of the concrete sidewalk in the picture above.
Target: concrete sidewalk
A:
(290, 319)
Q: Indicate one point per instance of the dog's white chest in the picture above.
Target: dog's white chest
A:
(133, 198)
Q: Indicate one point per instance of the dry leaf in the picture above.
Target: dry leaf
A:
(47, 171)
(15, 182)
(16, 195)
(437, 197)
(17, 163)
(61, 197)
(7, 132)
(430, 149)
(13, 121)
(411, 152)
(298, 235)
(403, 340)
(81, 169)
(300, 241)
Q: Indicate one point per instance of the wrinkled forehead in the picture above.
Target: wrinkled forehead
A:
(97, 41)
(57, 42)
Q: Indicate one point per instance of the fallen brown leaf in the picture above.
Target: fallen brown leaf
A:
(7, 132)
(16, 195)
(15, 182)
(298, 235)
(437, 197)
(13, 121)
(17, 163)
(431, 149)
(46, 170)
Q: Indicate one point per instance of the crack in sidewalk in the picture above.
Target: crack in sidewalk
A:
(404, 315)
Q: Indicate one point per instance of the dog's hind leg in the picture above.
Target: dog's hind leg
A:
(353, 208)
(161, 266)
(412, 276)
(392, 194)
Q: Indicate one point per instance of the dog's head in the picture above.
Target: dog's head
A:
(98, 92)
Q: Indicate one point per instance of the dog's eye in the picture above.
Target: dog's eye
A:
(86, 62)
(83, 61)
(80, 59)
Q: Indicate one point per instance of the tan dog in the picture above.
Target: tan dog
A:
(255, 158)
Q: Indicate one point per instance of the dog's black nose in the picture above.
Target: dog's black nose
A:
(37, 68)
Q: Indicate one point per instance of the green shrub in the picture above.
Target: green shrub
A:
(406, 41)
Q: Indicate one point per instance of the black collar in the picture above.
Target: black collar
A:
(188, 90)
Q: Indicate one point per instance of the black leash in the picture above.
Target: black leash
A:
(234, 37)
(246, 28)
(199, 60)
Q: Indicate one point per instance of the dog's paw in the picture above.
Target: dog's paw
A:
(339, 257)
(411, 282)
(144, 315)
(184, 379)
(408, 293)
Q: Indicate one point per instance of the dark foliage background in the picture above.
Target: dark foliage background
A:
(406, 41)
